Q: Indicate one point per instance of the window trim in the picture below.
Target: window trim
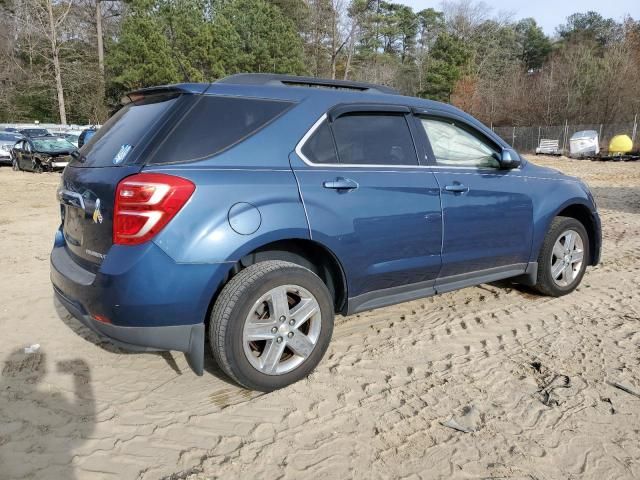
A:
(471, 129)
(325, 117)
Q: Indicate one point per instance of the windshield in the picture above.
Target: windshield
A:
(35, 131)
(53, 144)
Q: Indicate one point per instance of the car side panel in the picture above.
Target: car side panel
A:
(488, 226)
(386, 233)
(232, 212)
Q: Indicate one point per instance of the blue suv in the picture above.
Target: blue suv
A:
(251, 210)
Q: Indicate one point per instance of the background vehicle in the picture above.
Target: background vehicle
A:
(85, 135)
(262, 207)
(72, 138)
(7, 140)
(35, 132)
(40, 154)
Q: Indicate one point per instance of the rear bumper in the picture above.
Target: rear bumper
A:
(184, 338)
(144, 300)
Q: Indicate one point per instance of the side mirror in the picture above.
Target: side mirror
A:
(509, 159)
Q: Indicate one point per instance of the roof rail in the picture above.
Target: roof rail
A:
(296, 81)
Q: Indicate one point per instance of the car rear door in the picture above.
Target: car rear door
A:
(487, 211)
(370, 201)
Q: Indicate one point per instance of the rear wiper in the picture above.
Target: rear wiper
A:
(78, 156)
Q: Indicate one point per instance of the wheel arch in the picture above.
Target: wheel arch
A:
(581, 212)
(304, 252)
(309, 254)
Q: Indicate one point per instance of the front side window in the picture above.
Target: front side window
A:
(454, 146)
(374, 139)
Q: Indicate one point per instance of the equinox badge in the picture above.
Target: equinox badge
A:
(97, 215)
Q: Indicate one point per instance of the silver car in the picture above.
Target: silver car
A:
(7, 141)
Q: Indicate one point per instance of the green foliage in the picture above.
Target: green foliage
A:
(533, 44)
(498, 70)
(169, 41)
(591, 26)
(448, 57)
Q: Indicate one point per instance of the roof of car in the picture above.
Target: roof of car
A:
(295, 88)
(300, 89)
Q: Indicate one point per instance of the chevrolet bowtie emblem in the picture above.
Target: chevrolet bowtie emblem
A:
(97, 215)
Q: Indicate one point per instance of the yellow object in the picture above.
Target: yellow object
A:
(620, 144)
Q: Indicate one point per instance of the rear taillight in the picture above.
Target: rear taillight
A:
(145, 203)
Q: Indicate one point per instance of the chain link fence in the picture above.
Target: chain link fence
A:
(526, 139)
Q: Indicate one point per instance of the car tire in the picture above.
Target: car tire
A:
(37, 167)
(254, 334)
(559, 271)
(15, 165)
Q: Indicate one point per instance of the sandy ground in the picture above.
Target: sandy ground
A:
(528, 374)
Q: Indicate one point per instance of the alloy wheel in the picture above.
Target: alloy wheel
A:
(281, 329)
(566, 258)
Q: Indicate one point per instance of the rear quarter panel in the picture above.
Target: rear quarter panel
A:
(202, 233)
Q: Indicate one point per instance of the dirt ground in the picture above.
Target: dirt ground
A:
(528, 374)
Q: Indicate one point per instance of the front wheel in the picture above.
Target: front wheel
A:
(563, 257)
(271, 325)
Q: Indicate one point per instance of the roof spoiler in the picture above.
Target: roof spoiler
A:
(296, 81)
(164, 90)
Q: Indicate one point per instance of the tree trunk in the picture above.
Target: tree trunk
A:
(99, 37)
(56, 63)
(100, 113)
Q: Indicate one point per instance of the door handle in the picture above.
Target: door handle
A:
(340, 184)
(456, 188)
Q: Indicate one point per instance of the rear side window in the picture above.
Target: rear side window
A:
(112, 143)
(214, 124)
(320, 147)
(374, 139)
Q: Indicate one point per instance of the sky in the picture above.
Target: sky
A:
(548, 13)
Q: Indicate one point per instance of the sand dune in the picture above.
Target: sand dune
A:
(526, 376)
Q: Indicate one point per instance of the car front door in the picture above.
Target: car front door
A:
(26, 156)
(370, 201)
(487, 211)
(19, 152)
(15, 152)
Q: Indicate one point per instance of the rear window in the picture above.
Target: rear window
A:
(114, 142)
(214, 124)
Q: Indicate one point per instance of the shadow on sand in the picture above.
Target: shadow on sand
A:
(41, 424)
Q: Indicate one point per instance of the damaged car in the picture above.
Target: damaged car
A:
(41, 154)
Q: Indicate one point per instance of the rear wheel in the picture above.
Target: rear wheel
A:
(15, 165)
(563, 257)
(271, 325)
